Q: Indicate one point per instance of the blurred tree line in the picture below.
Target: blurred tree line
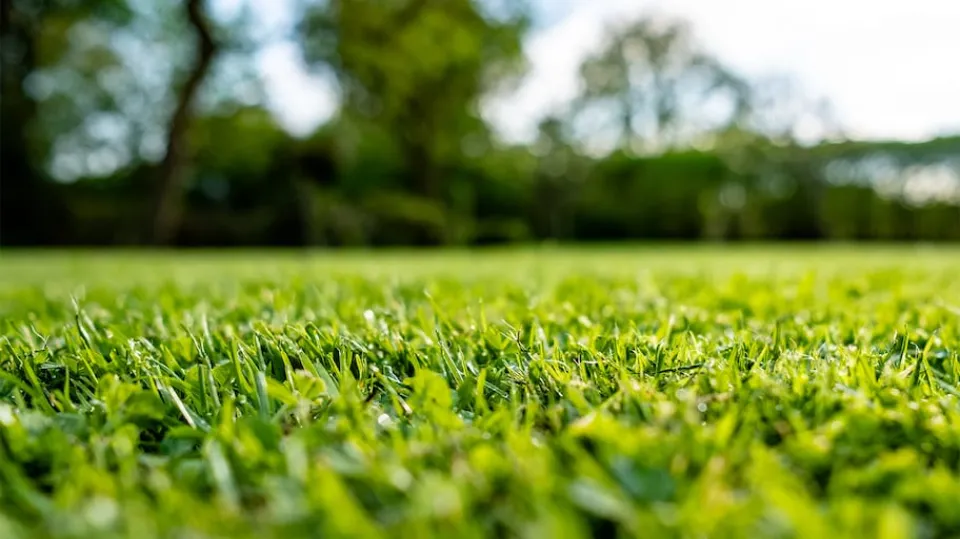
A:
(136, 122)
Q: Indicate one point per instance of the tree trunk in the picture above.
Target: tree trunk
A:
(168, 199)
(423, 171)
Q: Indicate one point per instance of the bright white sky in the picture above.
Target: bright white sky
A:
(890, 68)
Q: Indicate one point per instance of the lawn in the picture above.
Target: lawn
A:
(763, 391)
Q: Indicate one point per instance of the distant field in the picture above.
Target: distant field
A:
(763, 391)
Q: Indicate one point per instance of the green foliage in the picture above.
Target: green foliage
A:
(254, 140)
(764, 392)
(419, 67)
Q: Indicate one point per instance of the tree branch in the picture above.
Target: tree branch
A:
(168, 200)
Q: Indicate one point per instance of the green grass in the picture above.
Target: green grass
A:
(683, 392)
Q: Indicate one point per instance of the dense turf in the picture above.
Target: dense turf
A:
(767, 392)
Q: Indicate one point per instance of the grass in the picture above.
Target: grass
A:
(684, 392)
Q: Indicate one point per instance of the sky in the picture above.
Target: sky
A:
(889, 68)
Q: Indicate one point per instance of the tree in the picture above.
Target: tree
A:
(167, 207)
(419, 69)
(657, 86)
(18, 56)
(34, 38)
(558, 178)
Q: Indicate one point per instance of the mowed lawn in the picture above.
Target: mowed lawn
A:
(688, 392)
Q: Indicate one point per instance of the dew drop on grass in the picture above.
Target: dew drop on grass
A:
(368, 315)
(702, 407)
(401, 478)
(102, 512)
(6, 415)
